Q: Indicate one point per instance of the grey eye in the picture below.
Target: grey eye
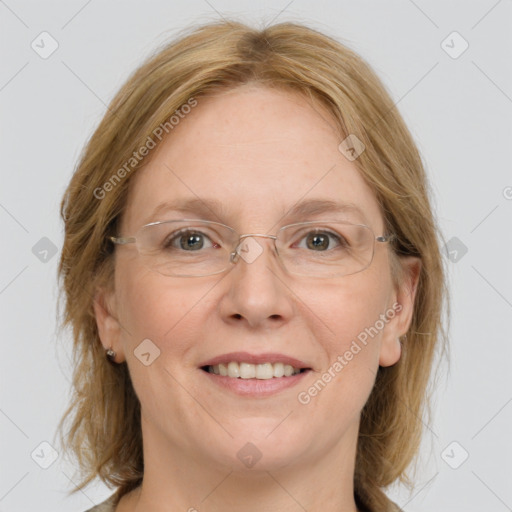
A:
(187, 240)
(191, 241)
(320, 240)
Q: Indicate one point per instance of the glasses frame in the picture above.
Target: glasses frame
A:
(235, 254)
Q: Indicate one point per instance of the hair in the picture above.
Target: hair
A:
(104, 412)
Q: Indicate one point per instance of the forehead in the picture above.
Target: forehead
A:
(249, 156)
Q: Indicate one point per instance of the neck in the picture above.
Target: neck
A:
(175, 478)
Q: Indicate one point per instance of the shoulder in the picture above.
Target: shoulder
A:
(109, 505)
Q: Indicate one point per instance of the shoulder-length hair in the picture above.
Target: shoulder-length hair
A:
(104, 433)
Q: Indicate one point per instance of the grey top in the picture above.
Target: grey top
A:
(109, 505)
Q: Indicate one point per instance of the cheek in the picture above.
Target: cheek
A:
(349, 311)
(170, 313)
(164, 310)
(352, 326)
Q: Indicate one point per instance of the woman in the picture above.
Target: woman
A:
(252, 273)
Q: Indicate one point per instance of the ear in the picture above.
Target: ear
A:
(403, 308)
(109, 328)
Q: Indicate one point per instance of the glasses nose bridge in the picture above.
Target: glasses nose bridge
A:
(236, 252)
(274, 237)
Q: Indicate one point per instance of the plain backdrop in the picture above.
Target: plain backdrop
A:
(455, 93)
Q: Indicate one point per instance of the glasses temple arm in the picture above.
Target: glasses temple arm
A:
(122, 240)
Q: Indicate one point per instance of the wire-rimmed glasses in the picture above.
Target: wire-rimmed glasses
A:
(197, 248)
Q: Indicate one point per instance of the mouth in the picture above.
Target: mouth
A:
(255, 375)
(262, 371)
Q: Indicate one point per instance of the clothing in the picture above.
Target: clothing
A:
(109, 505)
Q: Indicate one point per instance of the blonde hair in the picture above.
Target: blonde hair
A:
(105, 432)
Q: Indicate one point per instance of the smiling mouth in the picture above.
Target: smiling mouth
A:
(264, 371)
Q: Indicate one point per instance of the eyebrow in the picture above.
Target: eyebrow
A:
(208, 209)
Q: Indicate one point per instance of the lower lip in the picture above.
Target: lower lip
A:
(256, 387)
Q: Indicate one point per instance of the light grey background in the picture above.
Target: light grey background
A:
(459, 111)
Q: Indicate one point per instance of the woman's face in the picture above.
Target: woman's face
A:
(256, 152)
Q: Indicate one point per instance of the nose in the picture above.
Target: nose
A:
(256, 294)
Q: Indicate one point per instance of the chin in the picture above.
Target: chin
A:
(262, 444)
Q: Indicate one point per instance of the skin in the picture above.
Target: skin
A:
(273, 148)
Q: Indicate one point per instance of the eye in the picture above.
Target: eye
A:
(187, 240)
(320, 240)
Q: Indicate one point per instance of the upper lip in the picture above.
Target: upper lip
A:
(246, 357)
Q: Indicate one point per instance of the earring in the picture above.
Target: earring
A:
(111, 355)
(402, 339)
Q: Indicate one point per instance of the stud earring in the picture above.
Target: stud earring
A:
(111, 355)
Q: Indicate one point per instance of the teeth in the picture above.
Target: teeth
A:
(264, 371)
(279, 370)
(233, 369)
(253, 371)
(288, 370)
(247, 371)
(223, 369)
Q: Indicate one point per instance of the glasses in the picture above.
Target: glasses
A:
(196, 248)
